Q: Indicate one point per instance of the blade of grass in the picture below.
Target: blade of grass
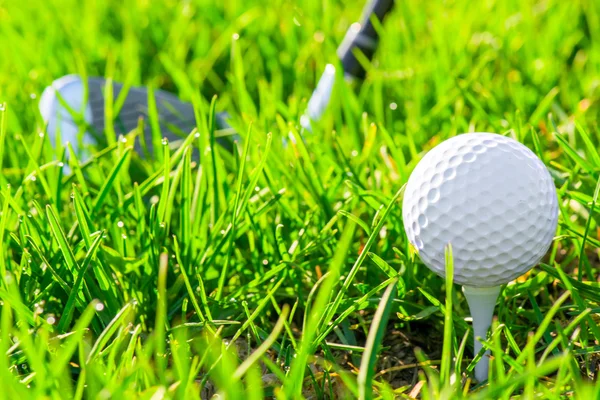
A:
(69, 308)
(235, 216)
(266, 345)
(445, 367)
(374, 340)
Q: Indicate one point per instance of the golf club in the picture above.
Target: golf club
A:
(176, 118)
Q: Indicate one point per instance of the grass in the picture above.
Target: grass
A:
(259, 273)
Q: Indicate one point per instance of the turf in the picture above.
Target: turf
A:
(260, 273)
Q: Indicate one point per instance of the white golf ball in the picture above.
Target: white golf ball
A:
(491, 198)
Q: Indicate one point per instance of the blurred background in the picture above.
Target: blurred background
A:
(440, 65)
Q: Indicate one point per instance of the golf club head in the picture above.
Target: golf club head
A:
(58, 118)
(176, 118)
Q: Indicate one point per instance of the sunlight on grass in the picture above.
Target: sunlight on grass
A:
(281, 268)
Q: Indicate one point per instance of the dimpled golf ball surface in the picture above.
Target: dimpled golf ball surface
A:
(491, 198)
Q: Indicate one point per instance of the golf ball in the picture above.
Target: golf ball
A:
(491, 198)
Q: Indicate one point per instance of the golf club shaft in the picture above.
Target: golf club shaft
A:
(362, 36)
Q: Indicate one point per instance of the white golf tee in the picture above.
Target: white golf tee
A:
(482, 301)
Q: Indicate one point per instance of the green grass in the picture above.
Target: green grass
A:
(260, 273)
